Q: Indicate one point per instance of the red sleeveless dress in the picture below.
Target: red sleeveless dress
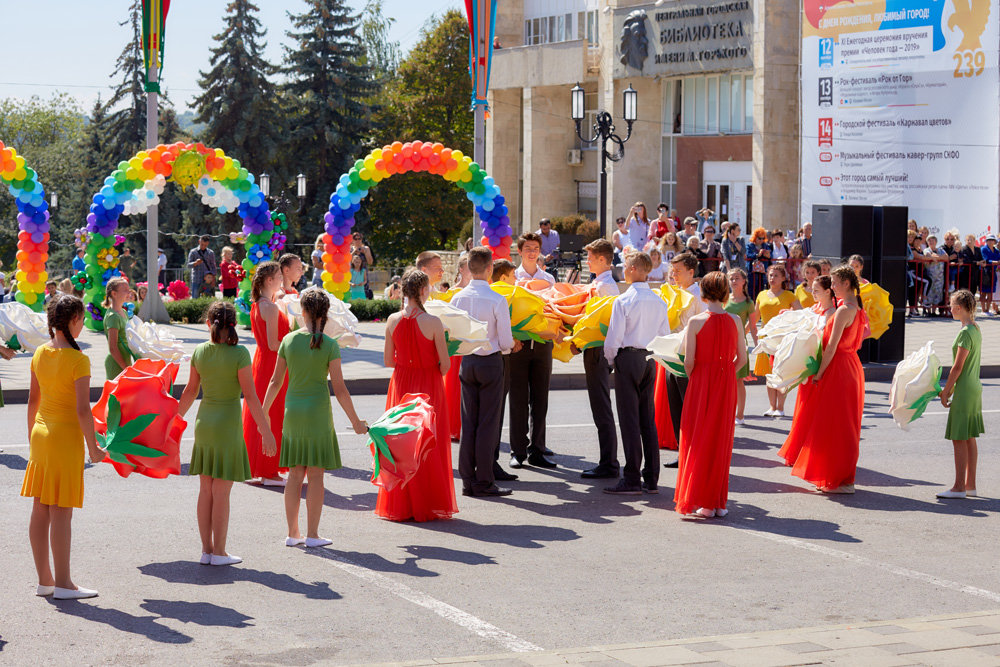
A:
(661, 411)
(830, 428)
(453, 393)
(793, 443)
(708, 419)
(430, 494)
(263, 368)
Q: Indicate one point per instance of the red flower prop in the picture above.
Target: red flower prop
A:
(400, 440)
(178, 290)
(137, 421)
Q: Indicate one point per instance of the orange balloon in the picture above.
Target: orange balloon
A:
(327, 257)
(22, 255)
(438, 147)
(397, 146)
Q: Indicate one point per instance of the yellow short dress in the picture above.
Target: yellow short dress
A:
(55, 460)
(769, 306)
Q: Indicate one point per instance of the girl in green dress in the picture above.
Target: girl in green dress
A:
(308, 441)
(120, 355)
(963, 396)
(222, 368)
(742, 306)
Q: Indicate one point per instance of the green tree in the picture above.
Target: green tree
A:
(329, 89)
(238, 103)
(127, 106)
(381, 52)
(427, 99)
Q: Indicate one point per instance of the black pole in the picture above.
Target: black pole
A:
(604, 130)
(604, 189)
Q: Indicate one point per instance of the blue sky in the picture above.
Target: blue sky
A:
(71, 46)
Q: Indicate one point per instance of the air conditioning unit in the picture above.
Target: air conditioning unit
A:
(574, 156)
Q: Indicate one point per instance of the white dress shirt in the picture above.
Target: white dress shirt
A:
(637, 317)
(539, 274)
(485, 305)
(604, 284)
(697, 305)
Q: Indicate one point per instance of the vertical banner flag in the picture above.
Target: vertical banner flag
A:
(482, 24)
(899, 107)
(154, 21)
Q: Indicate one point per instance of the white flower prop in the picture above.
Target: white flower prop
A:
(796, 359)
(465, 333)
(341, 324)
(666, 350)
(916, 382)
(153, 341)
(770, 335)
(31, 328)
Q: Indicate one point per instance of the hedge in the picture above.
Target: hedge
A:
(189, 310)
(367, 310)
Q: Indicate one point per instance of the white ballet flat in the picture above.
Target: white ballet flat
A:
(274, 482)
(225, 560)
(294, 541)
(740, 422)
(780, 413)
(317, 542)
(206, 559)
(707, 513)
(70, 594)
(769, 413)
(845, 489)
(971, 493)
(948, 493)
(44, 591)
(721, 512)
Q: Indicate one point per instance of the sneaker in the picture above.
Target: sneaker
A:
(650, 488)
(624, 489)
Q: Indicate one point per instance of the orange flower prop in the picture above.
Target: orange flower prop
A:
(400, 440)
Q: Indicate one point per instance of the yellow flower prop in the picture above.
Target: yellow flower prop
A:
(445, 296)
(678, 300)
(527, 311)
(107, 258)
(562, 351)
(878, 308)
(591, 329)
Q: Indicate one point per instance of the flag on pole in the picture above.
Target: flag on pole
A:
(154, 21)
(482, 16)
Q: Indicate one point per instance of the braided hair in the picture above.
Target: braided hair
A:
(264, 271)
(221, 317)
(413, 283)
(61, 310)
(845, 273)
(316, 303)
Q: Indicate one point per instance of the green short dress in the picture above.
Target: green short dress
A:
(965, 417)
(307, 436)
(742, 310)
(219, 449)
(113, 320)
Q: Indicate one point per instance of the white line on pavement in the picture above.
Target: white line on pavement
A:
(444, 610)
(861, 560)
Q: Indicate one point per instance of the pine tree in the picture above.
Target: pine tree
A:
(238, 105)
(330, 84)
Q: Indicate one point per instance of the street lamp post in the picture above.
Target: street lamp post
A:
(300, 187)
(604, 130)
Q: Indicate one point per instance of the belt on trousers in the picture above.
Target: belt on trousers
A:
(485, 356)
(633, 349)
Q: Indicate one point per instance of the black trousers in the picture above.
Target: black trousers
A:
(635, 379)
(482, 389)
(530, 372)
(676, 388)
(503, 404)
(599, 392)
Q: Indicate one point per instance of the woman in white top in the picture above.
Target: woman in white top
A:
(779, 251)
(657, 273)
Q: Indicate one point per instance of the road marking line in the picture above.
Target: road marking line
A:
(444, 610)
(861, 560)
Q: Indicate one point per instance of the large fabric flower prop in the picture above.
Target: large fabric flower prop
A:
(666, 351)
(341, 323)
(591, 329)
(527, 312)
(678, 301)
(136, 420)
(797, 358)
(22, 327)
(916, 382)
(788, 322)
(400, 440)
(878, 308)
(464, 333)
(153, 341)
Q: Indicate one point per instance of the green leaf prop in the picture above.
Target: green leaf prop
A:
(453, 345)
(13, 343)
(118, 441)
(677, 368)
(388, 424)
(921, 403)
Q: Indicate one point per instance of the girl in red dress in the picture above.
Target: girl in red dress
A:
(416, 350)
(822, 292)
(661, 411)
(269, 325)
(714, 349)
(452, 386)
(830, 447)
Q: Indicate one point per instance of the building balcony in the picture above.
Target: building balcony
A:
(553, 64)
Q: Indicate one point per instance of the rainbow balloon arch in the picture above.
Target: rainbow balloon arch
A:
(138, 183)
(400, 158)
(33, 222)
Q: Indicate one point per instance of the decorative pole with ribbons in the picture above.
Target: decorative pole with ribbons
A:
(482, 16)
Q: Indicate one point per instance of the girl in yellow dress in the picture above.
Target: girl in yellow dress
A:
(770, 302)
(59, 421)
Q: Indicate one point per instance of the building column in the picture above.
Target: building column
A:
(503, 148)
(775, 113)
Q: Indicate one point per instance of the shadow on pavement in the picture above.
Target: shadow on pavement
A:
(13, 461)
(200, 613)
(740, 484)
(374, 562)
(867, 477)
(751, 517)
(747, 461)
(589, 506)
(146, 626)
(185, 572)
(866, 499)
(522, 536)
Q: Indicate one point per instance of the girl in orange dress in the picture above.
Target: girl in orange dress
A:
(452, 386)
(269, 325)
(830, 446)
(416, 350)
(714, 349)
(825, 305)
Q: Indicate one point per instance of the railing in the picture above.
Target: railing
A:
(930, 281)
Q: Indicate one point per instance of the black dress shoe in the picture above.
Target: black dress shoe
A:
(468, 492)
(624, 489)
(492, 491)
(672, 464)
(548, 452)
(501, 475)
(600, 473)
(650, 488)
(539, 461)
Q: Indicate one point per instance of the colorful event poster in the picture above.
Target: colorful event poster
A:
(899, 107)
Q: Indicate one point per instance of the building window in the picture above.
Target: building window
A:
(586, 27)
(717, 104)
(669, 128)
(586, 199)
(548, 29)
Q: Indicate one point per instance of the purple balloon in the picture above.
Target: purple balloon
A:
(337, 239)
(91, 218)
(38, 237)
(332, 229)
(43, 227)
(328, 218)
(23, 219)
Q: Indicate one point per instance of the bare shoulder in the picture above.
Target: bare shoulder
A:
(428, 321)
(737, 321)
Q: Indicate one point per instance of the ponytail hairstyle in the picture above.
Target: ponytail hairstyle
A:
(264, 271)
(221, 317)
(845, 273)
(413, 283)
(743, 274)
(63, 309)
(112, 285)
(316, 303)
(966, 300)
